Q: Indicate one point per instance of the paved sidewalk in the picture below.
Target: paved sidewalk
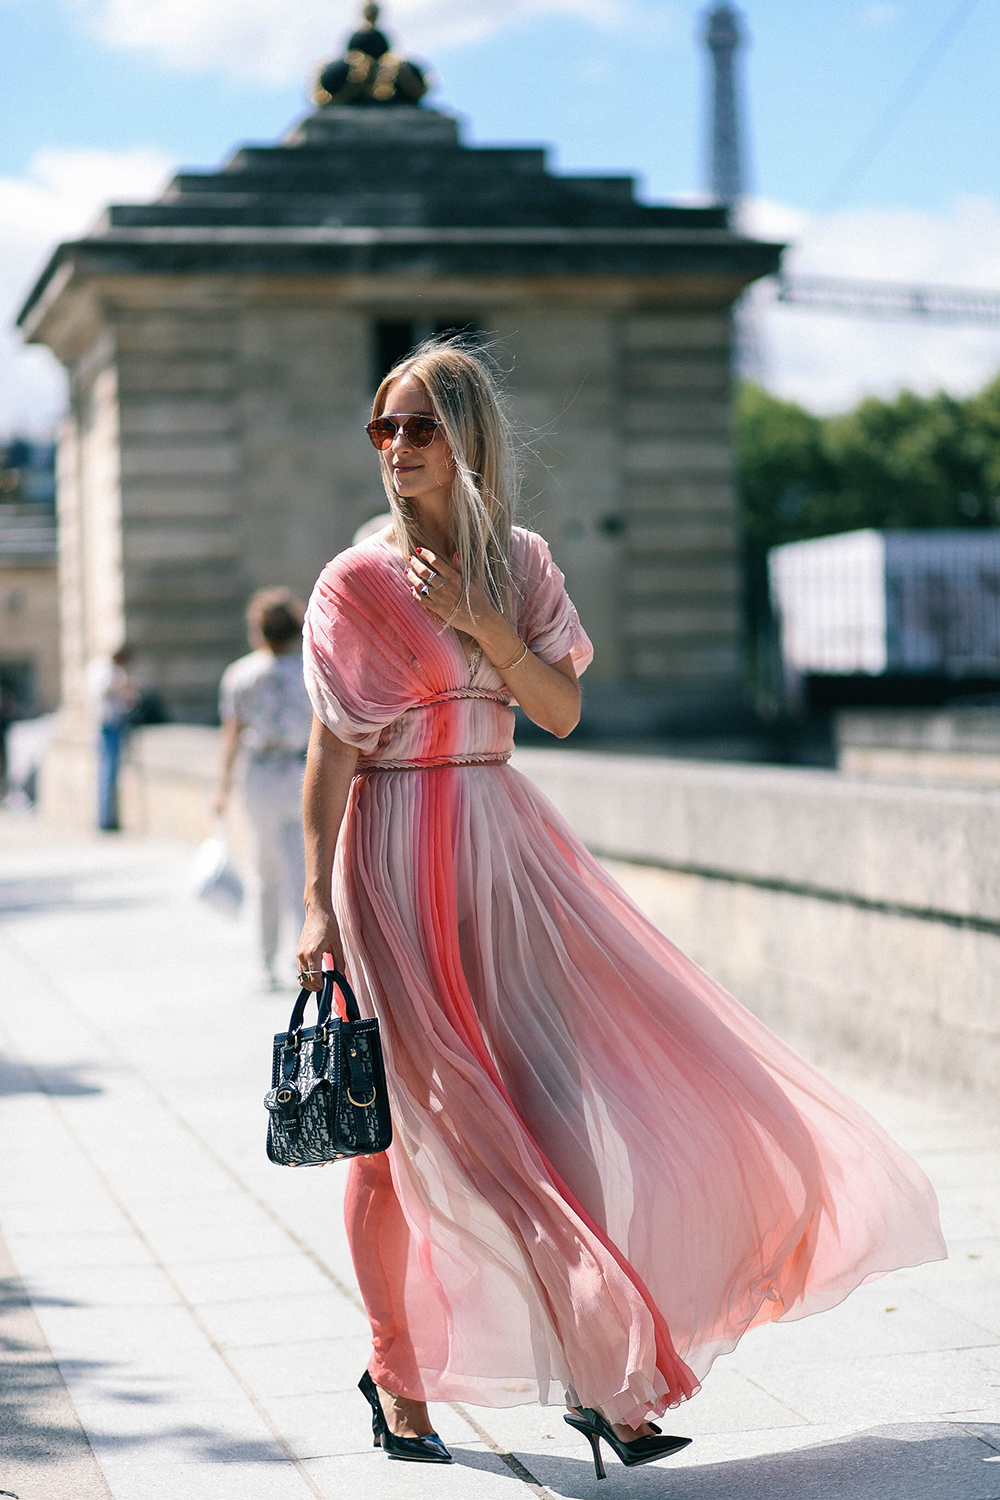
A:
(194, 1328)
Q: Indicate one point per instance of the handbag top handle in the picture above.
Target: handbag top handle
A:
(331, 978)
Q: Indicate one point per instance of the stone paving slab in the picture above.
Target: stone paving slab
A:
(44, 1448)
(197, 1309)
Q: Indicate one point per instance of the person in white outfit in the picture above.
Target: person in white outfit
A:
(266, 713)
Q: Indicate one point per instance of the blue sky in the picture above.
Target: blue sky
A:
(103, 97)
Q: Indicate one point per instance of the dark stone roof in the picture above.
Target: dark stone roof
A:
(397, 168)
(394, 189)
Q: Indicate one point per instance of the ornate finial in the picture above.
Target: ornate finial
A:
(369, 72)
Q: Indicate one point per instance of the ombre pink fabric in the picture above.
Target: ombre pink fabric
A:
(604, 1170)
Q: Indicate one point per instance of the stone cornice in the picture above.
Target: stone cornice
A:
(429, 252)
(363, 235)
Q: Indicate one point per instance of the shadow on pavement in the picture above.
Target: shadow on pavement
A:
(12, 1297)
(901, 1461)
(39, 1425)
(47, 893)
(15, 1078)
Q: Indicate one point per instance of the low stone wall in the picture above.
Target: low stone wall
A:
(168, 778)
(954, 745)
(859, 919)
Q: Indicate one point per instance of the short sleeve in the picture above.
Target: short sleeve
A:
(227, 692)
(547, 619)
(358, 672)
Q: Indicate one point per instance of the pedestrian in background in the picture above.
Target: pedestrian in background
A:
(266, 712)
(113, 694)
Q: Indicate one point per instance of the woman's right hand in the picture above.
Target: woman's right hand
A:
(320, 935)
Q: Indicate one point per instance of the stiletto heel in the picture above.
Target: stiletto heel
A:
(378, 1419)
(641, 1450)
(595, 1448)
(428, 1449)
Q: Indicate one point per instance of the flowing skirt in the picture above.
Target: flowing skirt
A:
(605, 1170)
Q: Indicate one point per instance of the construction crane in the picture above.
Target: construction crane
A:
(891, 299)
(724, 33)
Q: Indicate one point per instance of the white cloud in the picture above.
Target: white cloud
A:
(61, 195)
(828, 361)
(274, 43)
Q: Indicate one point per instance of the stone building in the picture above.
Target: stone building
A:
(223, 343)
(29, 612)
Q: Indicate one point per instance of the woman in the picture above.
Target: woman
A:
(265, 711)
(604, 1170)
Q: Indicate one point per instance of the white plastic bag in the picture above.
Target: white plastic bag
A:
(214, 877)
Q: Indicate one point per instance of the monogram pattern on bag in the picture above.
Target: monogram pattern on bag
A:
(312, 1117)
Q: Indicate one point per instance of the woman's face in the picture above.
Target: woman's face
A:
(417, 473)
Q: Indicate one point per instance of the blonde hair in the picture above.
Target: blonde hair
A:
(465, 397)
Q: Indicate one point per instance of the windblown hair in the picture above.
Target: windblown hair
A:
(275, 616)
(466, 399)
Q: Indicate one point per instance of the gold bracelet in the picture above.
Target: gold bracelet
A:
(515, 661)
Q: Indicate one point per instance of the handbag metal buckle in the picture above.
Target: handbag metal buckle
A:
(359, 1103)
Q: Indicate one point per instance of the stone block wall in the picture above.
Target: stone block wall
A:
(29, 631)
(310, 475)
(91, 578)
(184, 570)
(216, 446)
(679, 590)
(858, 919)
(563, 362)
(218, 451)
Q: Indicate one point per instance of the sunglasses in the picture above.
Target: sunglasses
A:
(418, 431)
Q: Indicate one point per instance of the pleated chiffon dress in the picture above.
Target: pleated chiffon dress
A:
(605, 1170)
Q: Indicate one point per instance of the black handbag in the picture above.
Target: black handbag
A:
(328, 1097)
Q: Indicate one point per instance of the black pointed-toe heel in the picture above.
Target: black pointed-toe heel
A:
(641, 1450)
(428, 1449)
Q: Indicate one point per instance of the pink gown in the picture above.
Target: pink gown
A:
(604, 1170)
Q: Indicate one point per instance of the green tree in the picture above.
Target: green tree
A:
(984, 416)
(781, 464)
(915, 462)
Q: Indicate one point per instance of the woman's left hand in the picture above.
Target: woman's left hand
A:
(548, 694)
(438, 588)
